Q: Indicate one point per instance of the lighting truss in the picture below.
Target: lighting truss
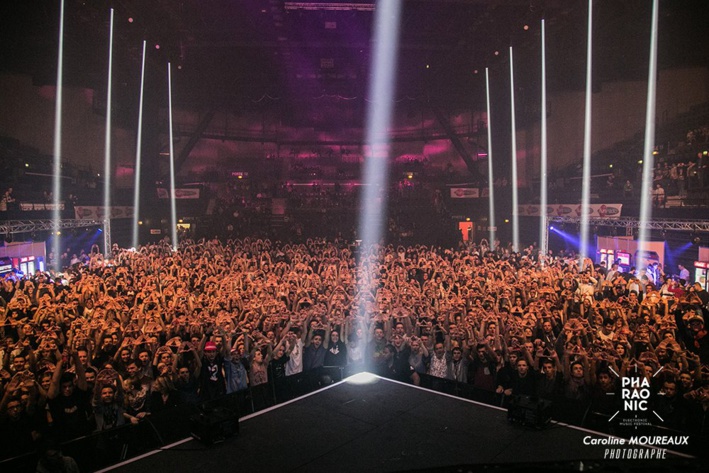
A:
(10, 227)
(329, 6)
(627, 222)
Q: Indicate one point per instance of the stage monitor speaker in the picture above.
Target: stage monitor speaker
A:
(529, 411)
(214, 425)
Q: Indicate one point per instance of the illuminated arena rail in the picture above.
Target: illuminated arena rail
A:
(9, 227)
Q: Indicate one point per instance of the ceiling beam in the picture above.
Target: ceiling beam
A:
(457, 143)
(194, 139)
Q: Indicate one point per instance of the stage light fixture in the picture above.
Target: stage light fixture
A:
(362, 378)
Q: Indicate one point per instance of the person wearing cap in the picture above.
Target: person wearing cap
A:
(212, 379)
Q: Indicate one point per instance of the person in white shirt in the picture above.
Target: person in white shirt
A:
(295, 344)
(587, 285)
(613, 272)
(683, 273)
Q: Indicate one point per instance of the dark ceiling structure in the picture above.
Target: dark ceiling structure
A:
(234, 53)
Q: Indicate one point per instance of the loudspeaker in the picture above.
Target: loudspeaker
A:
(529, 411)
(214, 425)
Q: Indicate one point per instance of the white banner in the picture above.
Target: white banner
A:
(98, 213)
(572, 210)
(28, 206)
(465, 192)
(182, 193)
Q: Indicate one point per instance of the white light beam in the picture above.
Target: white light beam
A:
(138, 155)
(107, 150)
(490, 177)
(586, 179)
(648, 158)
(381, 92)
(515, 198)
(543, 232)
(57, 184)
(173, 206)
(373, 201)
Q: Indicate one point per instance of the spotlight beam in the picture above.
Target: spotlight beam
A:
(515, 198)
(107, 149)
(648, 159)
(373, 200)
(586, 181)
(57, 184)
(490, 177)
(138, 154)
(543, 234)
(381, 91)
(173, 205)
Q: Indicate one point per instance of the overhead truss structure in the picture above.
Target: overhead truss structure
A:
(627, 222)
(10, 227)
(695, 226)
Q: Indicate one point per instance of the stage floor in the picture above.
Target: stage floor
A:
(381, 426)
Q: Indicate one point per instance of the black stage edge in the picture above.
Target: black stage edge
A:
(390, 426)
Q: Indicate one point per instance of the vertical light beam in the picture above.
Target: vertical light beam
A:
(515, 198)
(490, 176)
(107, 150)
(173, 206)
(373, 201)
(648, 158)
(138, 155)
(543, 232)
(381, 92)
(57, 184)
(586, 179)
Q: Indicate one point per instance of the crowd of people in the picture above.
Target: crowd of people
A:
(113, 340)
(673, 179)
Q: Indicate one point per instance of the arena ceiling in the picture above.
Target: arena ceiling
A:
(236, 52)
